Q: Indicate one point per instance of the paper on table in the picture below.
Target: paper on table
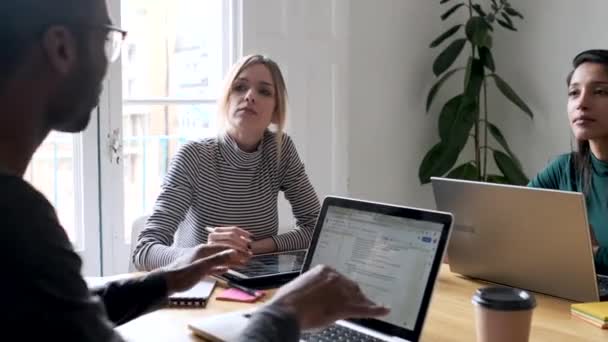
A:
(237, 295)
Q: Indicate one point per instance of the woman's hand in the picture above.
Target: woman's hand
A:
(234, 237)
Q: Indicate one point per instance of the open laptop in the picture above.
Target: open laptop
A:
(533, 239)
(392, 252)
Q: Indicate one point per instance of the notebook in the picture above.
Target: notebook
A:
(595, 313)
(195, 297)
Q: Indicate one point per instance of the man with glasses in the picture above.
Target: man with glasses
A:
(53, 57)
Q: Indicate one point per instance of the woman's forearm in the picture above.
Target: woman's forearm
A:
(263, 246)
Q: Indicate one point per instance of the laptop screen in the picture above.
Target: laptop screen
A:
(389, 256)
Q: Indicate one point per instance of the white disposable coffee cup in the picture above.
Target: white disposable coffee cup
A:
(503, 314)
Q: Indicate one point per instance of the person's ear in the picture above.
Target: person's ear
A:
(60, 47)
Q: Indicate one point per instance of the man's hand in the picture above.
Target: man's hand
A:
(235, 237)
(203, 261)
(322, 296)
(594, 244)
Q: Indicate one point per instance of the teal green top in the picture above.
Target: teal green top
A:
(560, 175)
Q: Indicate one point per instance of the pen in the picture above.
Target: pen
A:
(228, 283)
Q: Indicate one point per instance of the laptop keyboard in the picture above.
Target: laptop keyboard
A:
(602, 285)
(338, 333)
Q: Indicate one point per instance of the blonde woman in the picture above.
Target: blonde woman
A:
(224, 190)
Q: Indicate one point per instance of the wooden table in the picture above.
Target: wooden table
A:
(450, 317)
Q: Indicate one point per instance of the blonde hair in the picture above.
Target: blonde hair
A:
(279, 116)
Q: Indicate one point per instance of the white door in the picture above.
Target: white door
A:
(158, 97)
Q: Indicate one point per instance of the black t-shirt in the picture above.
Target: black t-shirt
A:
(44, 294)
(46, 298)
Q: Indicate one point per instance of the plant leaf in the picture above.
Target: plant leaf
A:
(455, 125)
(448, 56)
(448, 116)
(497, 179)
(436, 86)
(506, 18)
(500, 138)
(447, 34)
(467, 74)
(466, 171)
(489, 41)
(506, 25)
(437, 162)
(510, 94)
(489, 20)
(508, 168)
(485, 55)
(477, 32)
(475, 81)
(479, 10)
(449, 12)
(442, 157)
(513, 12)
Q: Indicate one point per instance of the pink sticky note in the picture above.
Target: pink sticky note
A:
(237, 295)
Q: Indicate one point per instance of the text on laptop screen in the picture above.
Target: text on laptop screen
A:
(389, 257)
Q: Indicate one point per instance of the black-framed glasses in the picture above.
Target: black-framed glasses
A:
(114, 41)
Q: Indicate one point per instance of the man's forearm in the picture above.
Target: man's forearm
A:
(271, 324)
(127, 299)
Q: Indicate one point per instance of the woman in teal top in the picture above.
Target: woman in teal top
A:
(586, 169)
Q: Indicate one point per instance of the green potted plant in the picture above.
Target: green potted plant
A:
(465, 116)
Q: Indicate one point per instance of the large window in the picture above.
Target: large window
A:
(159, 96)
(173, 65)
(152, 135)
(65, 170)
(52, 173)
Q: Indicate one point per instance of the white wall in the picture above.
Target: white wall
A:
(535, 61)
(391, 72)
(391, 69)
(363, 68)
(309, 40)
(358, 72)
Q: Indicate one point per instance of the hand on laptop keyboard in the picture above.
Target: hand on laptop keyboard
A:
(322, 296)
(338, 333)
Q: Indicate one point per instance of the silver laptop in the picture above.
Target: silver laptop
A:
(534, 239)
(392, 252)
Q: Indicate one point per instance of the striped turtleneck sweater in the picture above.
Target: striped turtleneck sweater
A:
(212, 183)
